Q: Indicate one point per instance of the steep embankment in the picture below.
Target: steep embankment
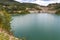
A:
(51, 8)
(5, 36)
(5, 33)
(46, 9)
(15, 7)
(54, 7)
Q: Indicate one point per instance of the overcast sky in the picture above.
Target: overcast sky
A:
(40, 2)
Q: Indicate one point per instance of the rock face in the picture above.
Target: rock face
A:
(54, 7)
(46, 9)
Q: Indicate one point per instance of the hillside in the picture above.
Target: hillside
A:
(5, 28)
(51, 8)
(55, 6)
(15, 7)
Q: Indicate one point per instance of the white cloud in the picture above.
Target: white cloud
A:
(46, 2)
(41, 2)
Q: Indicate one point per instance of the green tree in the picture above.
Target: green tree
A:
(5, 20)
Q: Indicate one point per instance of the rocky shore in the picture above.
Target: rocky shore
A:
(5, 36)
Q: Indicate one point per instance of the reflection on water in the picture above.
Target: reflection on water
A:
(37, 26)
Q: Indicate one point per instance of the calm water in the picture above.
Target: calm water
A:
(41, 26)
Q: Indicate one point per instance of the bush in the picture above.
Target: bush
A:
(58, 12)
(3, 36)
(25, 12)
(5, 20)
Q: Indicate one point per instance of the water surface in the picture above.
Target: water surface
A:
(41, 26)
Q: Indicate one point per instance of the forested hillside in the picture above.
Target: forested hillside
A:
(15, 7)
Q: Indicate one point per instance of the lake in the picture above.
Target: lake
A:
(40, 26)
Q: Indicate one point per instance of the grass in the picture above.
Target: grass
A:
(5, 36)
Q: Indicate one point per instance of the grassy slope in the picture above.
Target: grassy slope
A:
(5, 36)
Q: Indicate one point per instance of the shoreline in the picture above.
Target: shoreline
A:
(5, 33)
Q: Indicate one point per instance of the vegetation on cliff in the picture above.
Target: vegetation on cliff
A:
(5, 20)
(55, 6)
(14, 7)
(5, 33)
(58, 12)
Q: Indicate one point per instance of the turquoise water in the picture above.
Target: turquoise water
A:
(40, 26)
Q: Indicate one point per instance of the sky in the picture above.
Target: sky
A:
(40, 2)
